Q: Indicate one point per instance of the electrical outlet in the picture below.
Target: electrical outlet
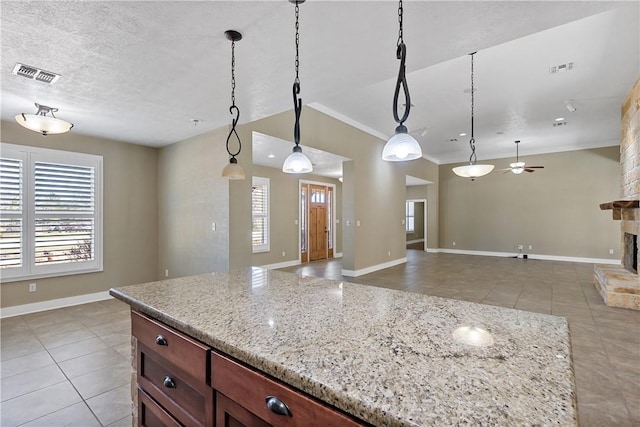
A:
(454, 243)
(389, 253)
(530, 247)
(358, 223)
(610, 251)
(166, 273)
(520, 247)
(284, 253)
(213, 226)
(32, 287)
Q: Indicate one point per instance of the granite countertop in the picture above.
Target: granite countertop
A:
(387, 357)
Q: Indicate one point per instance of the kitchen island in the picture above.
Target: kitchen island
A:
(380, 356)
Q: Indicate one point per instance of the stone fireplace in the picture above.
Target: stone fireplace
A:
(620, 285)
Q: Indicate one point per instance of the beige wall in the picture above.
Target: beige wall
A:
(373, 190)
(192, 195)
(130, 220)
(554, 209)
(284, 213)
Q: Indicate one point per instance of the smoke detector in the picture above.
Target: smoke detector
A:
(34, 73)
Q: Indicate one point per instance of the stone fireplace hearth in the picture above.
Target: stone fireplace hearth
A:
(620, 285)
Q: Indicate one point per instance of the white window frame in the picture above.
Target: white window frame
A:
(407, 216)
(257, 180)
(29, 156)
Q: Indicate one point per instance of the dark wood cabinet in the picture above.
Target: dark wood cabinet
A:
(182, 382)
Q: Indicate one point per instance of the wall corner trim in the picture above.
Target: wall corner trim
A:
(367, 270)
(35, 307)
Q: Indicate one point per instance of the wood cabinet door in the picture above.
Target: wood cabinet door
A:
(230, 414)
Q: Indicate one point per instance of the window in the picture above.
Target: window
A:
(260, 214)
(50, 213)
(411, 217)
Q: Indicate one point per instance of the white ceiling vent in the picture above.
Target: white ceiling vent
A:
(561, 68)
(556, 124)
(34, 73)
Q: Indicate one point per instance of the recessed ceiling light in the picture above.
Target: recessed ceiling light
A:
(499, 133)
(559, 119)
(195, 121)
(271, 156)
(463, 134)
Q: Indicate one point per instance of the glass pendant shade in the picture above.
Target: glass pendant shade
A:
(297, 162)
(233, 170)
(401, 147)
(43, 124)
(517, 167)
(472, 171)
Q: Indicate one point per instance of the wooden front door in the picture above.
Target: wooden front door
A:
(318, 222)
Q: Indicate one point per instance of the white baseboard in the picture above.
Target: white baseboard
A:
(410, 242)
(367, 270)
(530, 256)
(35, 307)
(432, 250)
(337, 255)
(281, 264)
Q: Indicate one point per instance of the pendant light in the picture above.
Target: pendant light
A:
(401, 146)
(297, 162)
(472, 170)
(42, 123)
(233, 170)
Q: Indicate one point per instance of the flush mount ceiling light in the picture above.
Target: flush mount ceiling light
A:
(41, 122)
(472, 170)
(401, 146)
(233, 170)
(297, 162)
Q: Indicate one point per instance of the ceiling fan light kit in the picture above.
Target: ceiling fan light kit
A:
(297, 161)
(42, 123)
(518, 167)
(472, 170)
(401, 146)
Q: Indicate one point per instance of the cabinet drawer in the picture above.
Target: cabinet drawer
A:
(172, 345)
(152, 415)
(187, 400)
(250, 389)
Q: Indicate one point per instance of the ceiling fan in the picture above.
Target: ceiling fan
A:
(518, 167)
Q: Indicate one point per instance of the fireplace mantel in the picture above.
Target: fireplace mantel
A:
(618, 205)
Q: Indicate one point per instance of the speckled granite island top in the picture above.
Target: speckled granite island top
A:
(387, 357)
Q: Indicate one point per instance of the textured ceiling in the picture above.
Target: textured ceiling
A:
(139, 71)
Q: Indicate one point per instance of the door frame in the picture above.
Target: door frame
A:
(424, 216)
(333, 214)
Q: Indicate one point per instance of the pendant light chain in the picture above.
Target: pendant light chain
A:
(233, 109)
(233, 73)
(297, 80)
(472, 159)
(400, 13)
(401, 54)
(297, 101)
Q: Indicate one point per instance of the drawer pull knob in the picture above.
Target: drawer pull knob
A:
(169, 383)
(277, 406)
(160, 340)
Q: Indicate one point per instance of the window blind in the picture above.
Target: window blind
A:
(11, 208)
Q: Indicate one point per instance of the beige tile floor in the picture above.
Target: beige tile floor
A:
(67, 367)
(70, 367)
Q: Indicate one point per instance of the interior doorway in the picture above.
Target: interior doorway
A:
(317, 213)
(416, 224)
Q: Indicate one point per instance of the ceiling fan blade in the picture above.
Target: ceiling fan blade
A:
(535, 167)
(529, 170)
